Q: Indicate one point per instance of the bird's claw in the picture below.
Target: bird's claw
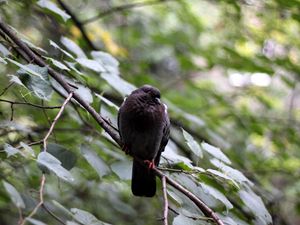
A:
(150, 164)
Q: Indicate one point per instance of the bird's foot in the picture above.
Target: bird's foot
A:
(150, 164)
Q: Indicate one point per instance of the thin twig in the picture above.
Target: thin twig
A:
(29, 104)
(55, 120)
(122, 8)
(166, 203)
(41, 202)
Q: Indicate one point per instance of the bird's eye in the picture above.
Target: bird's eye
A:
(158, 100)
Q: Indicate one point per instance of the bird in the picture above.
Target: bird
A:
(144, 129)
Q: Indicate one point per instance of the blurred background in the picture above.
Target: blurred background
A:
(228, 71)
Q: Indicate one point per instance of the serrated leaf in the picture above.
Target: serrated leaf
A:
(35, 222)
(54, 8)
(181, 219)
(107, 60)
(215, 152)
(58, 64)
(95, 161)
(120, 85)
(107, 102)
(67, 158)
(10, 150)
(86, 218)
(72, 223)
(122, 169)
(73, 47)
(217, 195)
(176, 158)
(52, 43)
(231, 172)
(54, 165)
(40, 85)
(255, 204)
(193, 145)
(2, 61)
(26, 68)
(223, 176)
(4, 51)
(14, 195)
(85, 93)
(15, 79)
(91, 64)
(28, 151)
(62, 208)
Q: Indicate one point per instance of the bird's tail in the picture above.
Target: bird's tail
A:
(143, 180)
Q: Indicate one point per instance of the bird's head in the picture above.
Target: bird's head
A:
(152, 92)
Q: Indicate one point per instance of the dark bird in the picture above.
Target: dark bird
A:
(144, 128)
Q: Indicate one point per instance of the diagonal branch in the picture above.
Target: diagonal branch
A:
(55, 120)
(122, 8)
(78, 24)
(104, 124)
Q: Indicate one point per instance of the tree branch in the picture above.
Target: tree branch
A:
(122, 8)
(105, 125)
(78, 24)
(166, 203)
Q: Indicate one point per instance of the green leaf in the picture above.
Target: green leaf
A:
(2, 61)
(58, 64)
(223, 176)
(85, 93)
(217, 195)
(52, 43)
(107, 102)
(35, 222)
(86, 218)
(193, 145)
(120, 85)
(26, 68)
(28, 151)
(10, 150)
(67, 158)
(255, 204)
(95, 161)
(40, 85)
(215, 152)
(54, 165)
(91, 64)
(4, 51)
(107, 60)
(15, 79)
(62, 209)
(181, 219)
(73, 47)
(14, 195)
(54, 8)
(122, 169)
(72, 223)
(232, 173)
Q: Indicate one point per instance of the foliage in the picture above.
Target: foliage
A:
(228, 71)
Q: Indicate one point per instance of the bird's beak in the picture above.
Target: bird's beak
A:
(158, 100)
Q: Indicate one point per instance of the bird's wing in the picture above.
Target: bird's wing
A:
(165, 137)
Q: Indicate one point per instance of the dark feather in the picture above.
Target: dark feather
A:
(144, 129)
